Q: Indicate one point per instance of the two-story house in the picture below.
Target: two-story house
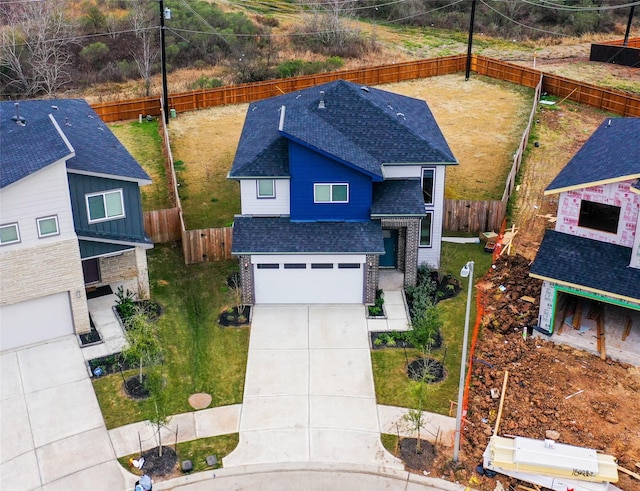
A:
(592, 258)
(336, 181)
(70, 218)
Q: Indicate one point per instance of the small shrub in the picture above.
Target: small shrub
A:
(204, 82)
(125, 303)
(267, 21)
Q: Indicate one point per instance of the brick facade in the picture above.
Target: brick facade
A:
(371, 279)
(246, 280)
(129, 265)
(408, 242)
(40, 271)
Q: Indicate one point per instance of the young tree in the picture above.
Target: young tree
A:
(144, 345)
(35, 51)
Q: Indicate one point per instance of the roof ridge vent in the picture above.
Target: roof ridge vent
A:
(17, 118)
(321, 104)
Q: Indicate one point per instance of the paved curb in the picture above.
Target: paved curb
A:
(393, 478)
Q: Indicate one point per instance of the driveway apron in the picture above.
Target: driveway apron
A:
(53, 434)
(309, 394)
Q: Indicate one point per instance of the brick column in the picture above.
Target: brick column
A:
(246, 280)
(371, 278)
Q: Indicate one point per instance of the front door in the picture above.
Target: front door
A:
(388, 260)
(91, 271)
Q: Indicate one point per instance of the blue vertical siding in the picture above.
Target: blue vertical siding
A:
(131, 227)
(307, 168)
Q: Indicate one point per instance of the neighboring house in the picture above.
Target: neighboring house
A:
(594, 251)
(70, 218)
(336, 181)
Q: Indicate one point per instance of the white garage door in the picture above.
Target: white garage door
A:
(298, 280)
(34, 321)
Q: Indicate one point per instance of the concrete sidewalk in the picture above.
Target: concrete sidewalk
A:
(309, 393)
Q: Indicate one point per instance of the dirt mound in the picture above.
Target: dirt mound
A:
(588, 401)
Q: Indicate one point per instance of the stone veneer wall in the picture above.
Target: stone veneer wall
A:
(128, 265)
(371, 278)
(246, 280)
(408, 243)
(45, 270)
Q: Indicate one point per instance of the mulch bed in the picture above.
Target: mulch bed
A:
(414, 461)
(156, 466)
(135, 388)
(427, 369)
(232, 318)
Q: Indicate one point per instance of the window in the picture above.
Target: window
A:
(321, 266)
(266, 188)
(427, 185)
(599, 216)
(348, 266)
(331, 193)
(268, 266)
(9, 234)
(47, 226)
(295, 266)
(106, 205)
(425, 230)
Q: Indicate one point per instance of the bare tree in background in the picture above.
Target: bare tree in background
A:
(144, 22)
(35, 47)
(328, 22)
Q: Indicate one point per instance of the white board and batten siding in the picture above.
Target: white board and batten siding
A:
(254, 206)
(291, 283)
(42, 194)
(429, 255)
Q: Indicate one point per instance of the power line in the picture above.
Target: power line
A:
(521, 24)
(574, 8)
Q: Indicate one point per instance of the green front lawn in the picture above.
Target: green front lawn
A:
(393, 387)
(199, 355)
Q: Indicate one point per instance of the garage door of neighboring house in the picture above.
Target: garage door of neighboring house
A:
(34, 321)
(293, 281)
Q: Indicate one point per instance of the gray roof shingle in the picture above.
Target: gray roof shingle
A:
(265, 235)
(587, 263)
(611, 153)
(28, 148)
(363, 127)
(398, 197)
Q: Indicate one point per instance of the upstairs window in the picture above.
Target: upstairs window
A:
(331, 193)
(9, 234)
(427, 185)
(425, 230)
(266, 188)
(599, 216)
(106, 205)
(47, 226)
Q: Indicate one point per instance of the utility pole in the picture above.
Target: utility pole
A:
(470, 42)
(163, 63)
(626, 34)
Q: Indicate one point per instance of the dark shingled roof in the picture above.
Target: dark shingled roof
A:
(26, 149)
(398, 197)
(587, 263)
(261, 235)
(611, 153)
(363, 128)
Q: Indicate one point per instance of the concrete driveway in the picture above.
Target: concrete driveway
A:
(53, 434)
(309, 394)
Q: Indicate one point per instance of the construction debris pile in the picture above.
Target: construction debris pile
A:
(553, 392)
(510, 297)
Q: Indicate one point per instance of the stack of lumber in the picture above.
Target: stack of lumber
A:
(553, 465)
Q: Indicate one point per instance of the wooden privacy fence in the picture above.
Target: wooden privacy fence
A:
(472, 216)
(612, 100)
(163, 225)
(212, 244)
